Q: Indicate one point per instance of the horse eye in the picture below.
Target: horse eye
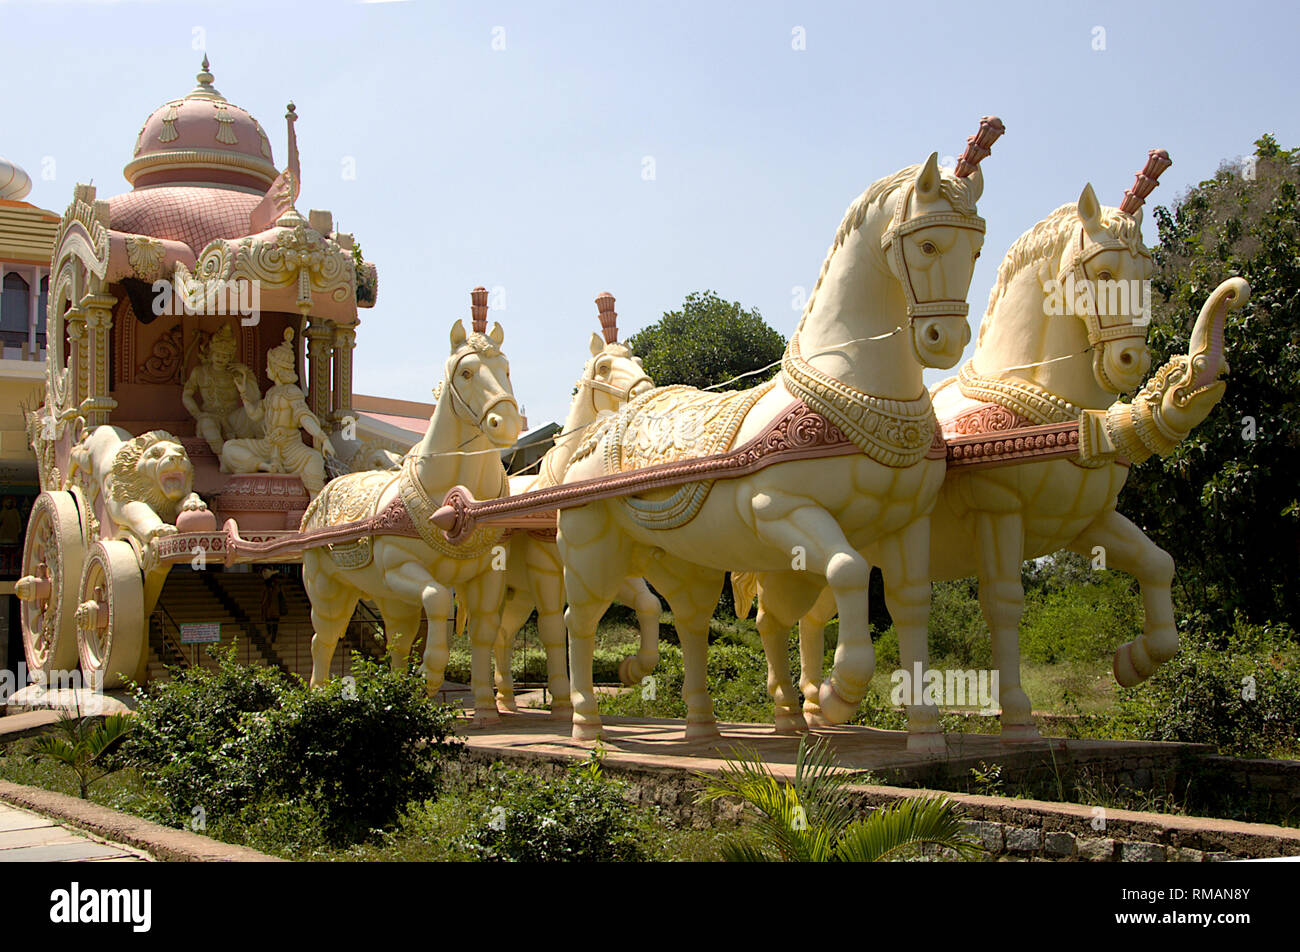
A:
(1105, 275)
(466, 374)
(928, 247)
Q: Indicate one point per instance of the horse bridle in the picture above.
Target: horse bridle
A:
(892, 245)
(622, 395)
(458, 402)
(1100, 333)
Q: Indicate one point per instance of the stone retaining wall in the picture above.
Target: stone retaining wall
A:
(1009, 829)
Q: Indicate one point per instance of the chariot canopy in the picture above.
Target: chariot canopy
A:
(209, 237)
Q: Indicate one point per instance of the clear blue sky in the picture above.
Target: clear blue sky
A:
(521, 168)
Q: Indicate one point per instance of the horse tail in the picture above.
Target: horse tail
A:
(744, 589)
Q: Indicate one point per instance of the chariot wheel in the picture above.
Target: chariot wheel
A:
(53, 553)
(111, 635)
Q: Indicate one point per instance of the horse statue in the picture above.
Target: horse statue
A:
(534, 573)
(406, 566)
(889, 301)
(1063, 335)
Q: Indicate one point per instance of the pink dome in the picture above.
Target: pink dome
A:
(202, 139)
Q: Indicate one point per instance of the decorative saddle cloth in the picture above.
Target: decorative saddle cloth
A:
(666, 425)
(354, 498)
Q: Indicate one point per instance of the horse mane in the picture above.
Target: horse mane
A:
(1047, 241)
(958, 192)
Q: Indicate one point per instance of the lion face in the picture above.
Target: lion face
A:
(166, 465)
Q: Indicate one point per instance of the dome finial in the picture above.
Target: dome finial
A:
(205, 76)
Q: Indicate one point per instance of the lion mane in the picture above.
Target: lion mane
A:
(130, 484)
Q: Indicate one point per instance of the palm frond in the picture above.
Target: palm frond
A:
(107, 735)
(904, 827)
(56, 748)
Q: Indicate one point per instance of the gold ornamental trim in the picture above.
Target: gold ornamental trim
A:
(1019, 396)
(421, 509)
(200, 158)
(895, 433)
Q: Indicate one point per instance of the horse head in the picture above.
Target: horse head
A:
(613, 375)
(477, 378)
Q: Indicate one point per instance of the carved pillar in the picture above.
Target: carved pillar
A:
(319, 339)
(78, 384)
(99, 328)
(345, 340)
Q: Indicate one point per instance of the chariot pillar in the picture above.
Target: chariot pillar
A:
(345, 340)
(95, 401)
(319, 339)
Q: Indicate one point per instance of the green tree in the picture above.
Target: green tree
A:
(707, 342)
(1226, 503)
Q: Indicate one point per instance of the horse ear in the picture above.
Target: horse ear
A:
(597, 344)
(927, 180)
(497, 335)
(458, 336)
(1089, 207)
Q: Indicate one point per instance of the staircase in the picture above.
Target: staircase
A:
(234, 600)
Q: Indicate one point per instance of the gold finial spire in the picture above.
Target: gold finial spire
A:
(205, 89)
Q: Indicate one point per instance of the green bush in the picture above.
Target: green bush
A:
(1081, 622)
(267, 759)
(737, 682)
(1237, 691)
(581, 817)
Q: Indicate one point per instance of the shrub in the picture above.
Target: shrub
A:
(581, 817)
(185, 740)
(270, 760)
(737, 682)
(1238, 692)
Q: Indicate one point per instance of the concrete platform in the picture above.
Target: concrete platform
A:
(661, 742)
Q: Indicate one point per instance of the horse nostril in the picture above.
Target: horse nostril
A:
(932, 334)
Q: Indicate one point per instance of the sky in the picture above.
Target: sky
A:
(551, 151)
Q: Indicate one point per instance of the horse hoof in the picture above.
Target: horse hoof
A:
(626, 671)
(1020, 733)
(787, 723)
(835, 709)
(508, 705)
(485, 717)
(561, 712)
(702, 730)
(928, 743)
(1125, 674)
(586, 732)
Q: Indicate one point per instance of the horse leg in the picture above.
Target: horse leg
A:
(692, 593)
(402, 624)
(782, 599)
(593, 571)
(546, 578)
(1000, 547)
(802, 528)
(1129, 550)
(514, 613)
(812, 655)
(636, 594)
(483, 596)
(904, 559)
(332, 605)
(329, 622)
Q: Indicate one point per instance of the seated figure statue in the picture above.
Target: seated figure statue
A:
(222, 384)
(283, 410)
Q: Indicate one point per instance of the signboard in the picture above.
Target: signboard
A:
(205, 634)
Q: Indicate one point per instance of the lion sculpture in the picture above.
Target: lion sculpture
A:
(145, 482)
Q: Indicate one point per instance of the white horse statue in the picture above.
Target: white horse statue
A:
(1064, 334)
(890, 300)
(407, 567)
(534, 573)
